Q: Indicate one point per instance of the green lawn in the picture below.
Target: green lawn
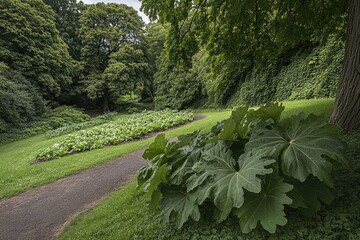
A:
(17, 173)
(124, 214)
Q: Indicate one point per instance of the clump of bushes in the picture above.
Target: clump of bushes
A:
(52, 119)
(65, 115)
(20, 101)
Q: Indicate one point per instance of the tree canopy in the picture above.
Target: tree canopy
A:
(67, 19)
(105, 28)
(247, 30)
(241, 34)
(126, 71)
(30, 44)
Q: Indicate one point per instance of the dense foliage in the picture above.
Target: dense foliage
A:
(60, 49)
(67, 20)
(65, 115)
(176, 88)
(52, 119)
(30, 44)
(304, 73)
(20, 101)
(250, 162)
(155, 39)
(193, 59)
(126, 72)
(124, 129)
(105, 30)
(242, 36)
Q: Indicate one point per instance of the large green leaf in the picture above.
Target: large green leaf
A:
(176, 207)
(268, 113)
(223, 179)
(304, 146)
(179, 175)
(308, 195)
(227, 133)
(266, 207)
(159, 176)
(159, 152)
(243, 119)
(230, 125)
(156, 148)
(145, 173)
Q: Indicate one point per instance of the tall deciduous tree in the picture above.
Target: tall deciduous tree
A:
(248, 32)
(155, 40)
(105, 28)
(31, 45)
(67, 19)
(126, 72)
(347, 105)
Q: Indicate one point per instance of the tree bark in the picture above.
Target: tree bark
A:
(346, 113)
(106, 102)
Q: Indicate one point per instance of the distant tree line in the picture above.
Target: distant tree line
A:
(65, 52)
(198, 53)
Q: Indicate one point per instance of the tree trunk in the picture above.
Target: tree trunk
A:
(106, 102)
(346, 113)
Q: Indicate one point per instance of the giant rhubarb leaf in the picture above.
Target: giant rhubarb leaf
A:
(231, 124)
(223, 179)
(268, 113)
(180, 174)
(304, 146)
(176, 207)
(266, 206)
(159, 152)
(156, 148)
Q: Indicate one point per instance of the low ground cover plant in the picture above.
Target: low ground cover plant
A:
(252, 166)
(113, 133)
(69, 128)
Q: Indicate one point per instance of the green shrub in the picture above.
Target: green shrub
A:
(20, 102)
(251, 165)
(65, 115)
(133, 110)
(177, 87)
(52, 119)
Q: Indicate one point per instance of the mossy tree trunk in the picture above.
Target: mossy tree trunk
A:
(346, 111)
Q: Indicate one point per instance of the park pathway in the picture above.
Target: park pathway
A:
(41, 213)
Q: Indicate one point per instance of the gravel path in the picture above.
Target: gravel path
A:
(41, 213)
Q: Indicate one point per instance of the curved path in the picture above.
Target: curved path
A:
(41, 213)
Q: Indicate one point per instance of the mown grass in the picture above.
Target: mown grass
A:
(18, 173)
(124, 214)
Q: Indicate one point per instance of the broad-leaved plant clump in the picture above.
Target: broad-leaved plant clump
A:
(116, 132)
(252, 165)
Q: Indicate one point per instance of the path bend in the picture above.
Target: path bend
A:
(41, 213)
